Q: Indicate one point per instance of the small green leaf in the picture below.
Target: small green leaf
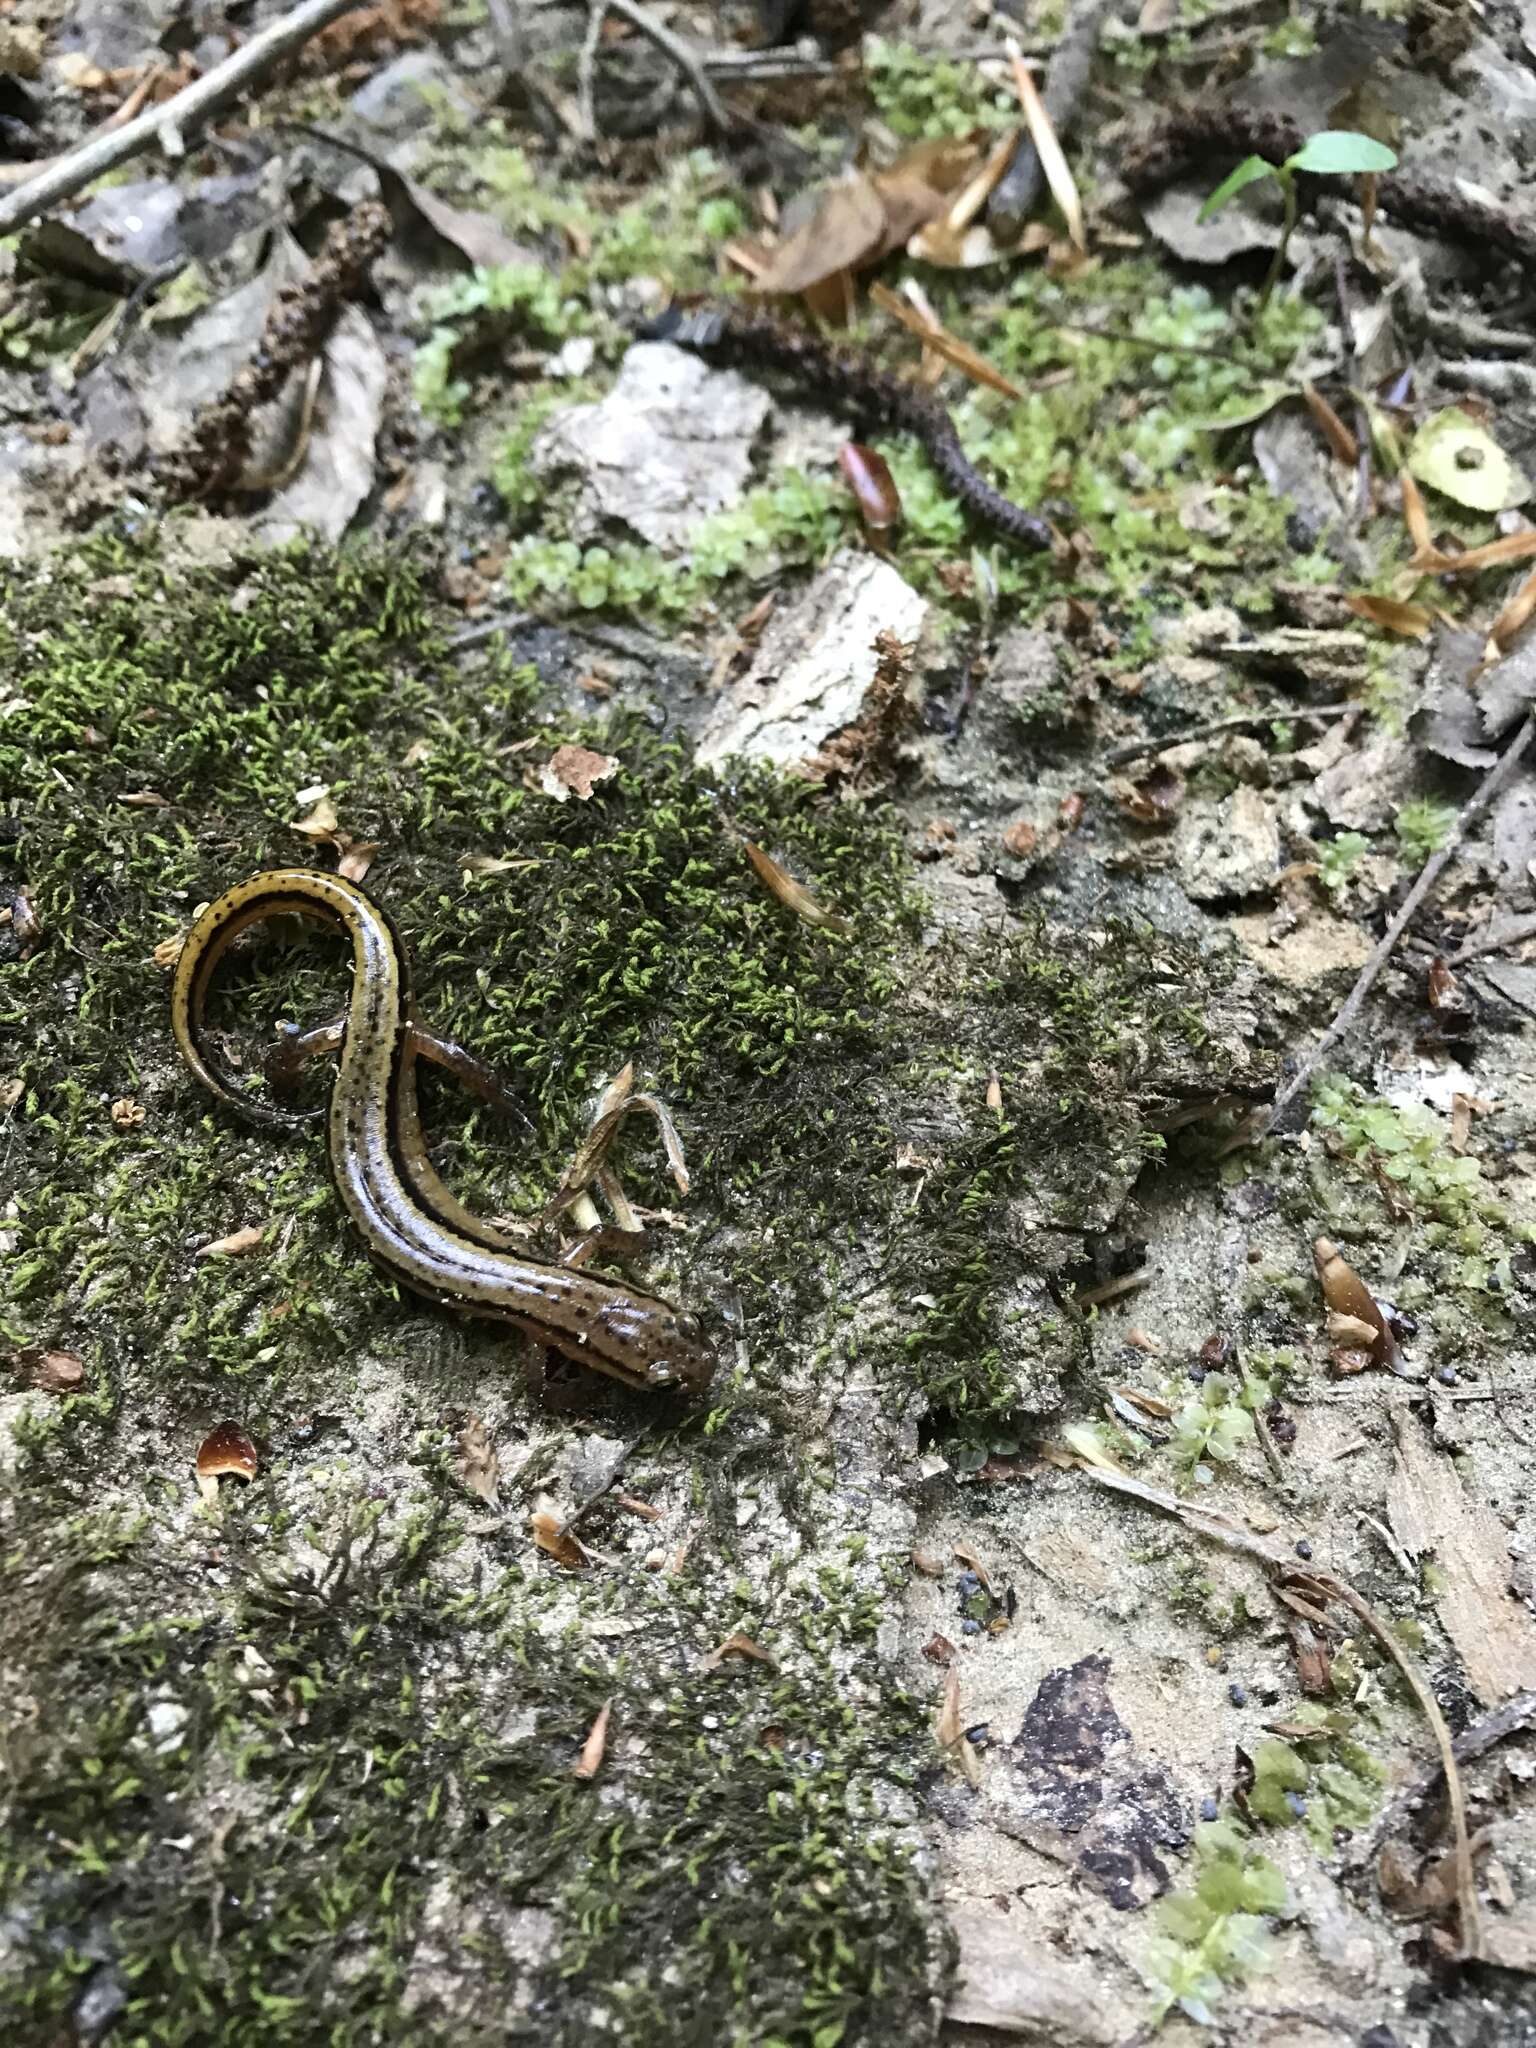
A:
(1340, 152)
(1248, 172)
(1460, 459)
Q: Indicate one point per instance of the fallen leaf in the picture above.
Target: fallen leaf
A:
(1334, 431)
(1513, 617)
(1346, 1294)
(949, 1731)
(590, 1762)
(931, 1567)
(846, 230)
(235, 1246)
(146, 800)
(1392, 614)
(1053, 163)
(791, 894)
(126, 1114)
(551, 1535)
(50, 1372)
(737, 1645)
(318, 824)
(1415, 518)
(575, 771)
(225, 1452)
(1493, 554)
(1462, 461)
(478, 1467)
(969, 1558)
(168, 952)
(337, 470)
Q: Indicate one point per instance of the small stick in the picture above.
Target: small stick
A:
(713, 108)
(1133, 748)
(1474, 949)
(168, 125)
(1492, 784)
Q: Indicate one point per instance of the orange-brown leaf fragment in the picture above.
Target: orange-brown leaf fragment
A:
(868, 476)
(1514, 616)
(1392, 614)
(225, 1452)
(590, 1762)
(551, 1535)
(235, 1246)
(949, 1730)
(319, 823)
(478, 1466)
(1347, 1295)
(573, 771)
(791, 894)
(1333, 429)
(737, 1645)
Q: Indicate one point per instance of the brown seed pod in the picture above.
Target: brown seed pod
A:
(226, 1451)
(870, 480)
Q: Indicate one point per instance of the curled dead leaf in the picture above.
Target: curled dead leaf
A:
(1392, 614)
(235, 1246)
(590, 1762)
(737, 1645)
(552, 1536)
(791, 894)
(318, 823)
(1346, 1294)
(168, 952)
(126, 1114)
(478, 1466)
(949, 1730)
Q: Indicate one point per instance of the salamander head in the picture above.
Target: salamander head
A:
(659, 1346)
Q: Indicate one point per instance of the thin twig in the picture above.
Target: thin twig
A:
(1475, 1740)
(1491, 786)
(1066, 80)
(715, 111)
(1495, 942)
(1289, 713)
(586, 71)
(168, 125)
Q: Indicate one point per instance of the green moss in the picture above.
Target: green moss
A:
(1215, 1935)
(1409, 1146)
(1423, 827)
(922, 97)
(477, 312)
(1321, 1773)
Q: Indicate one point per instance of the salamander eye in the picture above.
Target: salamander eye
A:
(661, 1374)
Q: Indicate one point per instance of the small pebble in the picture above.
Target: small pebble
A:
(1237, 1694)
(1303, 1548)
(1209, 1809)
(1446, 1375)
(969, 1627)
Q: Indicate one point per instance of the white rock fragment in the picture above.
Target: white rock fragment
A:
(814, 663)
(1230, 852)
(669, 446)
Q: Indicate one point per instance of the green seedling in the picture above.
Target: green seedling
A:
(1335, 152)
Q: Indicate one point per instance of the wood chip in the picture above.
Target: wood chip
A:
(1432, 1514)
(235, 1246)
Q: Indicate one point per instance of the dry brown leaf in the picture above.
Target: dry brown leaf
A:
(949, 1730)
(737, 1645)
(938, 338)
(478, 1467)
(126, 1114)
(1513, 617)
(948, 248)
(1346, 1294)
(1392, 614)
(146, 800)
(318, 824)
(168, 952)
(235, 1246)
(590, 1762)
(846, 231)
(1493, 554)
(573, 771)
(646, 1510)
(551, 1535)
(1334, 431)
(356, 856)
(967, 1556)
(50, 1372)
(225, 1452)
(1415, 518)
(931, 1567)
(791, 894)
(1058, 176)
